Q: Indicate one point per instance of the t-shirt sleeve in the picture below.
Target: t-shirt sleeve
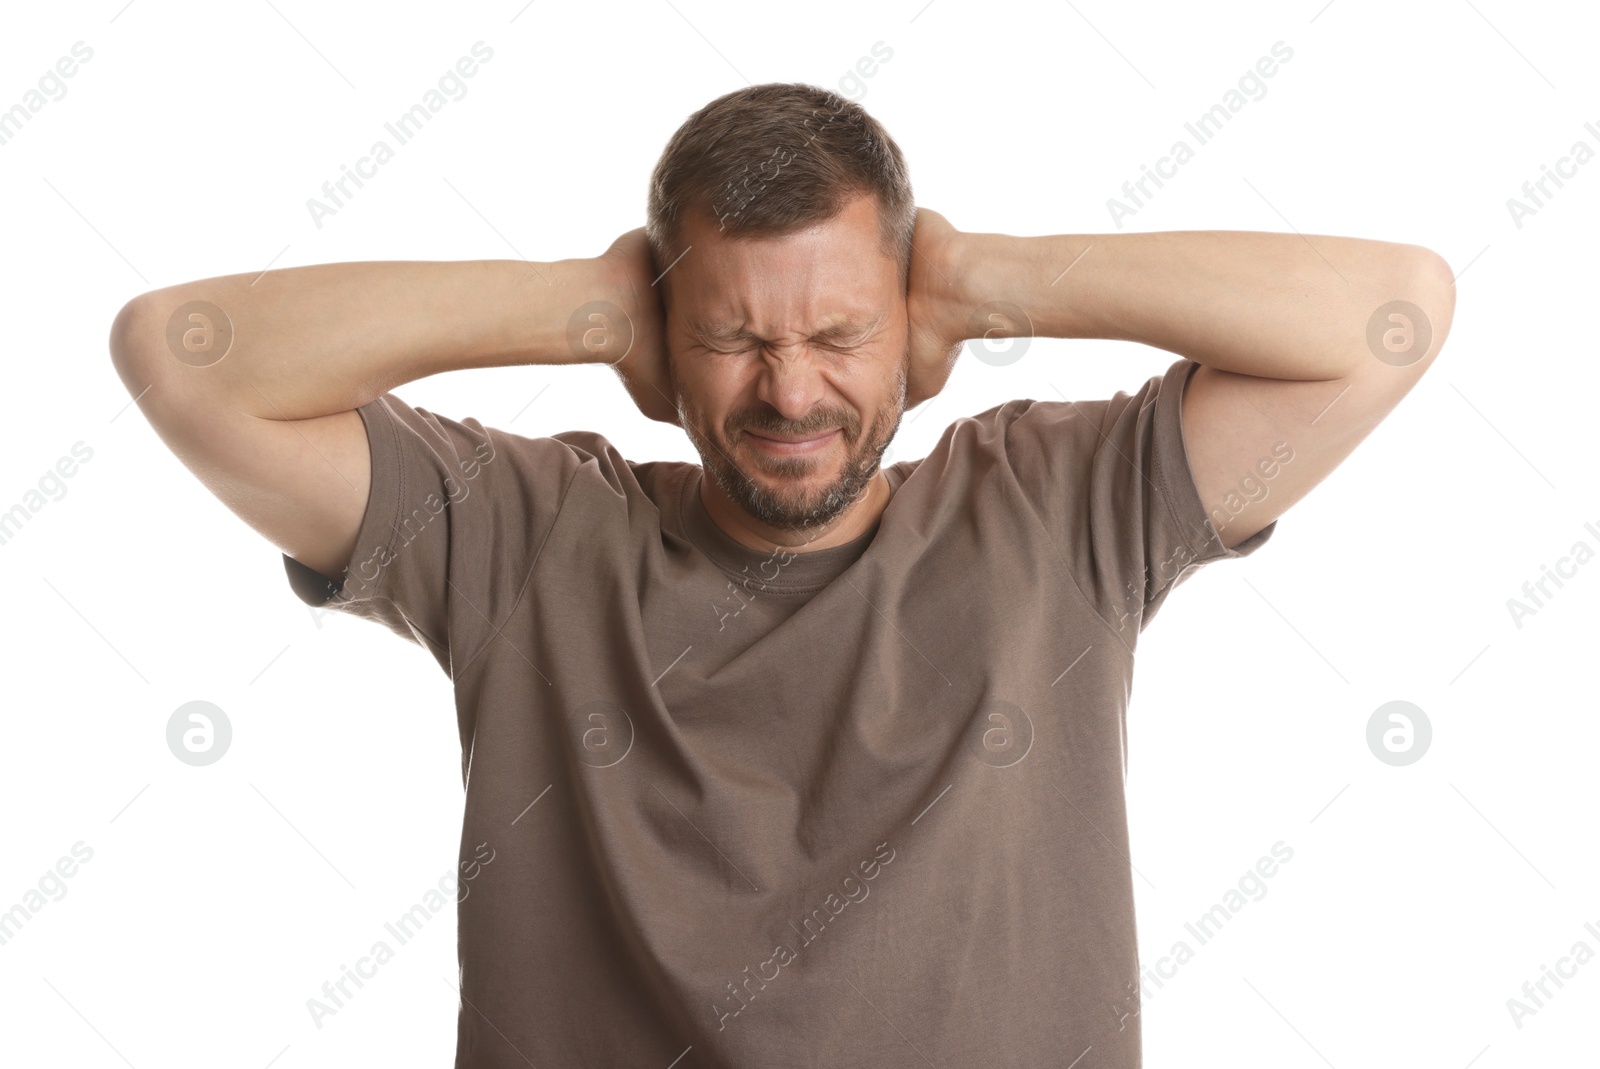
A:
(1110, 481)
(455, 518)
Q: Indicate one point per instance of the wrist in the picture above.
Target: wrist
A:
(994, 276)
(592, 310)
(958, 283)
(1043, 276)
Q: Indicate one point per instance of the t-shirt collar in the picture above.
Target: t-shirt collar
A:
(777, 569)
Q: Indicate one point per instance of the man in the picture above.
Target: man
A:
(788, 759)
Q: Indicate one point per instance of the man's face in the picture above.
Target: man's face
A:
(789, 361)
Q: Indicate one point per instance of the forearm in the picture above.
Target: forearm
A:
(1269, 305)
(311, 341)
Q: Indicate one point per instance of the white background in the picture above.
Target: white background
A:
(218, 899)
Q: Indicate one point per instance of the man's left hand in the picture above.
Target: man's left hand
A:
(936, 313)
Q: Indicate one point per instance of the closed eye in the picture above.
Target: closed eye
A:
(733, 349)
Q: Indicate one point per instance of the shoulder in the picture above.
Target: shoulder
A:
(1020, 428)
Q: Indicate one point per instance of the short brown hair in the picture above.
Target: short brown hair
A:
(771, 159)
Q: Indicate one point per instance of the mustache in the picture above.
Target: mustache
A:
(769, 422)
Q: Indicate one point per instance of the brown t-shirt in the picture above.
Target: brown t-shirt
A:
(861, 806)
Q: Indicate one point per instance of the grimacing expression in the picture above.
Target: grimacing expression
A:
(801, 338)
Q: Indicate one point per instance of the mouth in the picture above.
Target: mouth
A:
(793, 446)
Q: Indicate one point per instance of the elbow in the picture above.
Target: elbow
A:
(1430, 277)
(129, 331)
(1408, 311)
(135, 335)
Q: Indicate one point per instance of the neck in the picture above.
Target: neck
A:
(851, 524)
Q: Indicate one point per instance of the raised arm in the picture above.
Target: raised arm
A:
(253, 381)
(1305, 343)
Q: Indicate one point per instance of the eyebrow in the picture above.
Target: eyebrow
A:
(847, 327)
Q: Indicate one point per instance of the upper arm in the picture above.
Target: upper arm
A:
(426, 524)
(302, 484)
(1258, 445)
(1111, 484)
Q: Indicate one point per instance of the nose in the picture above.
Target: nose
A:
(790, 382)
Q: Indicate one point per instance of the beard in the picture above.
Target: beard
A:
(788, 504)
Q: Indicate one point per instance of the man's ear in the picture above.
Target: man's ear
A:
(672, 371)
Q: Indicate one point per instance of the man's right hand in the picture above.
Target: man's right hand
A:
(643, 369)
